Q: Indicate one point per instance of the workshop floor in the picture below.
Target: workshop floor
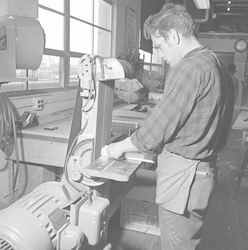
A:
(226, 226)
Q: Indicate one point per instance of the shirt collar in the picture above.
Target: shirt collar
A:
(194, 51)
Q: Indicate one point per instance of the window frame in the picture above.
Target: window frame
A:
(65, 54)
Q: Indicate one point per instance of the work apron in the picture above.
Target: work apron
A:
(174, 176)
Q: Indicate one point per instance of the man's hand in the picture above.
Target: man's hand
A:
(118, 149)
(115, 150)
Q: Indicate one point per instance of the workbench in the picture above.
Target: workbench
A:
(124, 117)
(41, 156)
(42, 153)
(46, 144)
(241, 124)
(41, 146)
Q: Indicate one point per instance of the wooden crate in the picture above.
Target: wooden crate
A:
(138, 209)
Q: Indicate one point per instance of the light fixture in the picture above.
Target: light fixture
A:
(241, 45)
(202, 4)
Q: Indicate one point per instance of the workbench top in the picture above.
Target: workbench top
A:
(59, 129)
(241, 123)
(124, 116)
(47, 143)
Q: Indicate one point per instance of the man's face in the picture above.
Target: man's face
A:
(167, 49)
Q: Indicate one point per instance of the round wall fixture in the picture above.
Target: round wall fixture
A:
(241, 45)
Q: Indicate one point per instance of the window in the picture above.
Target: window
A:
(152, 62)
(54, 4)
(90, 30)
(48, 74)
(54, 40)
(73, 71)
(81, 38)
(68, 35)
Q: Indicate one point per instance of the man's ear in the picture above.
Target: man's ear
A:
(174, 36)
(3, 160)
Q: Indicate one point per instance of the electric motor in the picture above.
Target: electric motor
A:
(36, 221)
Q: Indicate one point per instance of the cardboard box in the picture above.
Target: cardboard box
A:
(138, 209)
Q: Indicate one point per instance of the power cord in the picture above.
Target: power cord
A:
(7, 129)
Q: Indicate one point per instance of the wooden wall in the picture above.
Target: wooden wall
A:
(120, 24)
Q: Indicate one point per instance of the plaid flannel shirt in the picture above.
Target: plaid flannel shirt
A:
(195, 112)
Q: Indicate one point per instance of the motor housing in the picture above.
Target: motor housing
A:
(53, 216)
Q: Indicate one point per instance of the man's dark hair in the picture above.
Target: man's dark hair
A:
(171, 16)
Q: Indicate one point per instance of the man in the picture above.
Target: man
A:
(189, 124)
(232, 69)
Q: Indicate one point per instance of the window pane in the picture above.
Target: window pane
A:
(82, 9)
(102, 14)
(53, 27)
(81, 37)
(74, 71)
(15, 86)
(102, 42)
(54, 4)
(156, 56)
(156, 69)
(48, 73)
(145, 56)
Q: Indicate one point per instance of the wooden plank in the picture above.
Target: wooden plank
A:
(63, 129)
(130, 114)
(240, 123)
(43, 152)
(134, 155)
(131, 106)
(107, 168)
(125, 122)
(241, 107)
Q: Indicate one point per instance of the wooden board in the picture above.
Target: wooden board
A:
(124, 122)
(134, 155)
(240, 123)
(131, 114)
(62, 129)
(45, 151)
(131, 106)
(107, 168)
(124, 117)
(127, 112)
